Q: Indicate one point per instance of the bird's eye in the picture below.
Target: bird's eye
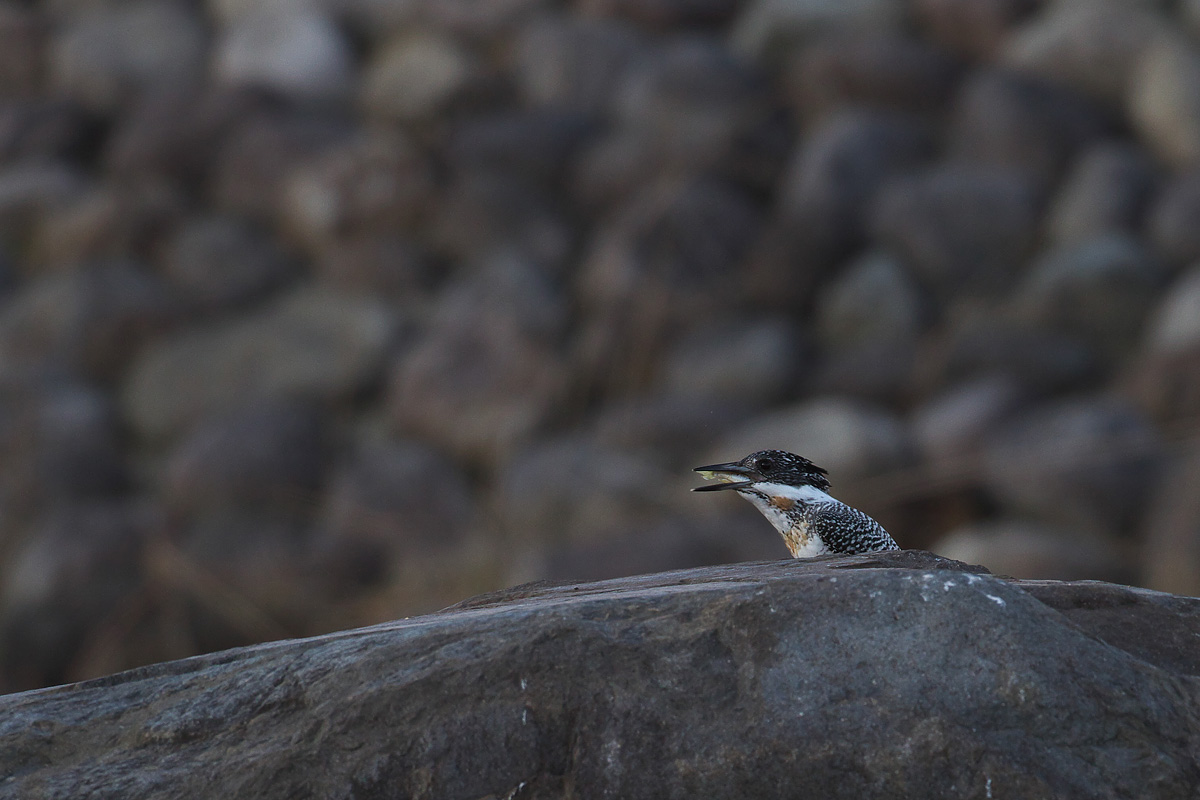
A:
(765, 465)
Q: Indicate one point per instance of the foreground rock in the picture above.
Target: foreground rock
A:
(889, 675)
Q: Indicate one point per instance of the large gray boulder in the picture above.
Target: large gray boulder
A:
(885, 675)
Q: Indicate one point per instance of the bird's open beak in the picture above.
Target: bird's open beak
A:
(728, 476)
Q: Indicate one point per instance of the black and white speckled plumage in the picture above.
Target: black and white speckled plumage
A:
(790, 491)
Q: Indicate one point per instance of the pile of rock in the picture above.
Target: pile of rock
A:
(315, 314)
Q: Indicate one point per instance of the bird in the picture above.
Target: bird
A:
(793, 494)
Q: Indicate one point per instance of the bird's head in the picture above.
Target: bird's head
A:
(763, 467)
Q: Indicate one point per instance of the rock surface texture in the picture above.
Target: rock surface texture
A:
(886, 675)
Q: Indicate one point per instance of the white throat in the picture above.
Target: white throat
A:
(807, 495)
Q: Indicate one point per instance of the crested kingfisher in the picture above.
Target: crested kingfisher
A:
(792, 493)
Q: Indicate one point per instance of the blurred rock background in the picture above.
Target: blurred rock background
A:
(318, 313)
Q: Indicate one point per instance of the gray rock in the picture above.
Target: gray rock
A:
(1171, 222)
(828, 189)
(485, 22)
(414, 76)
(176, 133)
(974, 28)
(670, 257)
(220, 262)
(106, 53)
(766, 680)
(569, 489)
(389, 502)
(1175, 326)
(754, 363)
(59, 442)
(42, 129)
(955, 423)
(1030, 550)
(92, 321)
(1106, 190)
(1040, 361)
(868, 320)
(767, 27)
(1009, 122)
(1190, 12)
(574, 62)
(1164, 101)
(962, 230)
(893, 72)
(691, 98)
(32, 189)
(1085, 464)
(1093, 47)
(850, 439)
(78, 564)
(267, 456)
(536, 145)
(1170, 556)
(1099, 290)
(665, 15)
(678, 543)
(1166, 379)
(879, 371)
(298, 53)
(667, 426)
(247, 574)
(873, 300)
(507, 285)
(311, 344)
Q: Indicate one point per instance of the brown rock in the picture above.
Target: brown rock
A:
(23, 35)
(312, 344)
(261, 152)
(270, 456)
(376, 183)
(92, 321)
(890, 72)
(977, 29)
(476, 388)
